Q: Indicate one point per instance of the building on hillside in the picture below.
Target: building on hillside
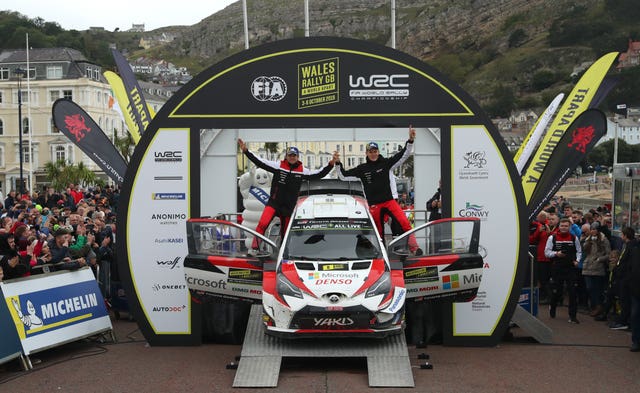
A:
(53, 73)
(627, 129)
(630, 58)
(136, 28)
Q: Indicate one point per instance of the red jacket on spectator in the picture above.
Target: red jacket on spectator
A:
(539, 238)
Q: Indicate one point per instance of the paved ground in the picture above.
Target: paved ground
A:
(584, 358)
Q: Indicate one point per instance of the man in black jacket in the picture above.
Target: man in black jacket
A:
(374, 174)
(285, 185)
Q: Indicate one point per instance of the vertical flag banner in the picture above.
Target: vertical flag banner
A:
(136, 107)
(529, 145)
(576, 103)
(582, 135)
(125, 105)
(82, 130)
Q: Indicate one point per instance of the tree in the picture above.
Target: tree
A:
(271, 147)
(124, 145)
(603, 153)
(60, 174)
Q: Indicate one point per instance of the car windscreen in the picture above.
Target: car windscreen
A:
(331, 239)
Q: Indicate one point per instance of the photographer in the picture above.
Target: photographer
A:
(564, 250)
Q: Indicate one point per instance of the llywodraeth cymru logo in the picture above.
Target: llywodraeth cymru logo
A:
(475, 159)
(318, 83)
(475, 167)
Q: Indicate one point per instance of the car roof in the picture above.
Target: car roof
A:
(330, 205)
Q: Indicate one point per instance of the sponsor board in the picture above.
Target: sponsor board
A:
(421, 274)
(168, 156)
(379, 87)
(318, 83)
(268, 88)
(167, 196)
(56, 308)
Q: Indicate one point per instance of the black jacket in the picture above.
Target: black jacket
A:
(375, 176)
(286, 181)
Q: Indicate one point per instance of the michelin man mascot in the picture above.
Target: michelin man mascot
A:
(255, 187)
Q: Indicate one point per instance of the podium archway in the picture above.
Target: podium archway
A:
(310, 89)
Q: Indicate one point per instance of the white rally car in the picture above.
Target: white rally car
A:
(331, 275)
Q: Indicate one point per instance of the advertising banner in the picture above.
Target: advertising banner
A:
(577, 102)
(80, 128)
(531, 141)
(135, 104)
(53, 309)
(478, 169)
(10, 343)
(573, 147)
(159, 253)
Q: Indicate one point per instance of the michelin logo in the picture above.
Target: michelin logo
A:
(31, 320)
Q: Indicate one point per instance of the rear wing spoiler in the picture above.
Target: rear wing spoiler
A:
(331, 186)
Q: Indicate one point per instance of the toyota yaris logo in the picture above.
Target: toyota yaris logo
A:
(334, 298)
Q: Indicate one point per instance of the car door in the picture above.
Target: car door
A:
(450, 264)
(221, 262)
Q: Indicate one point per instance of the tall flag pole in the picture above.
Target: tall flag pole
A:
(306, 18)
(136, 107)
(29, 117)
(577, 102)
(246, 24)
(393, 24)
(574, 145)
(531, 141)
(82, 130)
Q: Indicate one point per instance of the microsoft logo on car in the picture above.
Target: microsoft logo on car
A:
(450, 282)
(313, 276)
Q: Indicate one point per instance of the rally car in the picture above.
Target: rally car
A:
(331, 274)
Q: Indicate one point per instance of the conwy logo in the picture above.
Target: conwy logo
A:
(472, 210)
(268, 88)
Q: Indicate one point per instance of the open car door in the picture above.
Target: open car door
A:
(448, 264)
(221, 261)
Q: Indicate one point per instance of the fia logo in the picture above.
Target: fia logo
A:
(268, 88)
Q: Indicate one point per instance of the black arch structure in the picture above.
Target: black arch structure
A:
(225, 96)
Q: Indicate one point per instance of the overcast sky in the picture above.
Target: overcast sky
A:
(82, 14)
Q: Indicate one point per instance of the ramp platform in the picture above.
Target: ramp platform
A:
(388, 362)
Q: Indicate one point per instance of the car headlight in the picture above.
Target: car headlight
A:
(285, 287)
(380, 287)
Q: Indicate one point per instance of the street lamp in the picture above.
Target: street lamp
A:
(20, 73)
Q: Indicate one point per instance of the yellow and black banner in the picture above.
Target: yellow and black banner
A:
(577, 102)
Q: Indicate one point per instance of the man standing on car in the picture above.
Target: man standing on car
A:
(287, 178)
(374, 174)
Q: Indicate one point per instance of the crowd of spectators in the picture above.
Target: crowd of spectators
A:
(606, 271)
(46, 231)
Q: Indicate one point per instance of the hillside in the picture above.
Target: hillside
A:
(506, 53)
(521, 52)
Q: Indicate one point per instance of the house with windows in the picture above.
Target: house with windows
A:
(52, 73)
(630, 58)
